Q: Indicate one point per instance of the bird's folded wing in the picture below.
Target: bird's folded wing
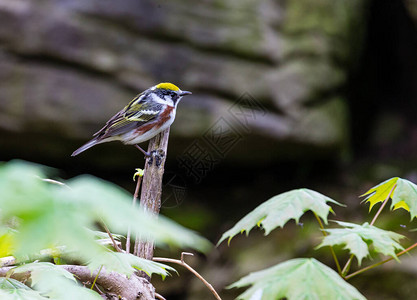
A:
(130, 118)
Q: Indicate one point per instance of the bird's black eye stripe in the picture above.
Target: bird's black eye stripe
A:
(162, 93)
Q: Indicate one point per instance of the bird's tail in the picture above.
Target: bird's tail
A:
(86, 146)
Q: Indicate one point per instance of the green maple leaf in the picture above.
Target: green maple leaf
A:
(379, 192)
(123, 263)
(99, 235)
(301, 278)
(12, 284)
(57, 216)
(358, 238)
(403, 195)
(109, 203)
(55, 282)
(280, 209)
(20, 294)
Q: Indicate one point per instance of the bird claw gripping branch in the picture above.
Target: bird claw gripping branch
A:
(157, 156)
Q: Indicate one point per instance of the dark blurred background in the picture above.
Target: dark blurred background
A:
(286, 94)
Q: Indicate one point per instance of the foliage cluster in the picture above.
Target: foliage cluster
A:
(43, 219)
(306, 278)
(45, 224)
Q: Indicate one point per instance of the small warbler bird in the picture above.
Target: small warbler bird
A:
(149, 113)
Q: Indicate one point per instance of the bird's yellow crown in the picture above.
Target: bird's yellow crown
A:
(167, 86)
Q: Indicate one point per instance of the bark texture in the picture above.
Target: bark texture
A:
(150, 198)
(117, 286)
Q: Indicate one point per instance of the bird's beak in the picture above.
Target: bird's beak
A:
(185, 93)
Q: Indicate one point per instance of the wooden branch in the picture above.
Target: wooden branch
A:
(150, 198)
(115, 284)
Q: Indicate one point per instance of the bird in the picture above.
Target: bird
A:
(149, 113)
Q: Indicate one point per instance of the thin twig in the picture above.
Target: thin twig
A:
(111, 237)
(331, 248)
(187, 266)
(185, 253)
(135, 199)
(349, 262)
(380, 263)
(98, 290)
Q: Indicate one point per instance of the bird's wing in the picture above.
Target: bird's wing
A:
(142, 111)
(137, 113)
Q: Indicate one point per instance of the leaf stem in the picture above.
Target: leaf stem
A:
(135, 199)
(382, 206)
(347, 266)
(331, 248)
(95, 279)
(380, 263)
(187, 266)
(111, 237)
(349, 262)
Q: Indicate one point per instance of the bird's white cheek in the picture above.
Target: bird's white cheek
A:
(169, 100)
(156, 99)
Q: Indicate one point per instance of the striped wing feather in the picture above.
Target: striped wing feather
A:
(134, 115)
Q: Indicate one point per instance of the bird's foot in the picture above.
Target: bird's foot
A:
(156, 155)
(147, 154)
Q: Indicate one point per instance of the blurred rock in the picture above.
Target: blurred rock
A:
(68, 66)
